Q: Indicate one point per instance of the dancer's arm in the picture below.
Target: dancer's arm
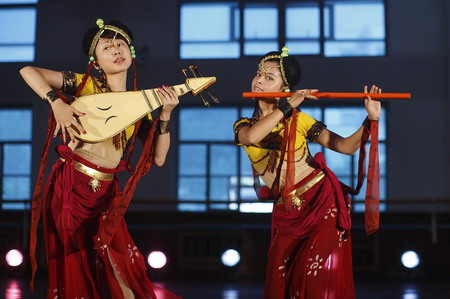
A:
(170, 101)
(249, 135)
(350, 144)
(43, 81)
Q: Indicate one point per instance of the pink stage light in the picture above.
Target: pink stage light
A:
(14, 258)
(157, 259)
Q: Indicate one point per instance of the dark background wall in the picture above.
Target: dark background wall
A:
(417, 61)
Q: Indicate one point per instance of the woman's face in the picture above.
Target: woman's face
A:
(268, 78)
(113, 55)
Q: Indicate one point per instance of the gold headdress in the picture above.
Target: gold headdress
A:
(101, 25)
(284, 53)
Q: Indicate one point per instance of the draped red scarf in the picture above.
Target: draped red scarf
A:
(372, 198)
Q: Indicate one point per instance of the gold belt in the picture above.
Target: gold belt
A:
(96, 175)
(93, 173)
(297, 200)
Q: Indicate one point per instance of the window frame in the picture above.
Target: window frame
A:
(30, 4)
(208, 202)
(282, 39)
(25, 202)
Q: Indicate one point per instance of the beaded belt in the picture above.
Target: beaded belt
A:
(295, 195)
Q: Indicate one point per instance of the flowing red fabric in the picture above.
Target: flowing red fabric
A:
(310, 256)
(121, 201)
(36, 203)
(72, 215)
(372, 202)
(287, 144)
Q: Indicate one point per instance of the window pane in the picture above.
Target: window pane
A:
(304, 48)
(17, 25)
(358, 20)
(363, 48)
(207, 22)
(303, 21)
(209, 50)
(344, 121)
(16, 187)
(209, 30)
(259, 48)
(247, 111)
(17, 159)
(354, 29)
(192, 159)
(18, 1)
(221, 189)
(15, 125)
(260, 22)
(223, 160)
(16, 53)
(192, 188)
(340, 164)
(213, 124)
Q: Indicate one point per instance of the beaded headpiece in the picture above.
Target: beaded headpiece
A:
(284, 53)
(101, 25)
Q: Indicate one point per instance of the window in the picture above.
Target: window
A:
(17, 30)
(15, 156)
(331, 28)
(215, 174)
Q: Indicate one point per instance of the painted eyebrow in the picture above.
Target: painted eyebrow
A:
(267, 73)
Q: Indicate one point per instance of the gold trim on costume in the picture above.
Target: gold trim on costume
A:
(295, 195)
(95, 174)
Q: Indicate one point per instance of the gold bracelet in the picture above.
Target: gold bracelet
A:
(163, 126)
(50, 97)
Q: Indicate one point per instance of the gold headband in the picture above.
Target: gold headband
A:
(103, 28)
(284, 53)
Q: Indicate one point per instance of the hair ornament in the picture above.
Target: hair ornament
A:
(100, 23)
(133, 52)
(102, 28)
(284, 51)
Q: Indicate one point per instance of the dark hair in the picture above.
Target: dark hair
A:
(291, 67)
(91, 32)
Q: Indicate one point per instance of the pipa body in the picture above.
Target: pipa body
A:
(109, 113)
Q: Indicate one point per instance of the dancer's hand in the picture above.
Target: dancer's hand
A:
(373, 107)
(170, 101)
(300, 95)
(65, 120)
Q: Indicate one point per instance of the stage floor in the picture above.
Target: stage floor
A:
(17, 288)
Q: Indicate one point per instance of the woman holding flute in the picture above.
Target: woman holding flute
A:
(310, 250)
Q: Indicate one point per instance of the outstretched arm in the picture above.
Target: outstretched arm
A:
(43, 81)
(350, 144)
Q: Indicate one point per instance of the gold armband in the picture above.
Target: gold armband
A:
(50, 97)
(163, 127)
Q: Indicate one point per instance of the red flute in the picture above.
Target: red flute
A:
(337, 95)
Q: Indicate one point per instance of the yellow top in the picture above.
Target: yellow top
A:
(264, 156)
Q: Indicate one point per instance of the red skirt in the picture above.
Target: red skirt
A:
(310, 256)
(71, 213)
